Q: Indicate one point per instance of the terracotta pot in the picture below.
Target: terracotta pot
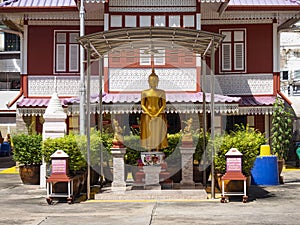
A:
(30, 174)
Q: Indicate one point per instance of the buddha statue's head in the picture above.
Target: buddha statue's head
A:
(153, 79)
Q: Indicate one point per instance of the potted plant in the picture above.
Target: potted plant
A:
(77, 162)
(248, 141)
(282, 132)
(28, 153)
(97, 141)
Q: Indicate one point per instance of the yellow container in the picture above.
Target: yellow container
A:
(265, 150)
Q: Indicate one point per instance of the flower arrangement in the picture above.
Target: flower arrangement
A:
(152, 158)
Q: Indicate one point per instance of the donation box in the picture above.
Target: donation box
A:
(60, 164)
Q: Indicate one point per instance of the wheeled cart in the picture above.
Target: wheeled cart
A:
(230, 177)
(60, 171)
(50, 194)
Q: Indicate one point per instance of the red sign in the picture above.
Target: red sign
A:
(234, 164)
(59, 166)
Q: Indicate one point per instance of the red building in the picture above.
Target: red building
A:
(126, 37)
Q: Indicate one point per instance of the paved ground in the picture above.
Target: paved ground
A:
(26, 204)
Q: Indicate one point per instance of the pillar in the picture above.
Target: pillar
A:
(187, 165)
(54, 126)
(118, 183)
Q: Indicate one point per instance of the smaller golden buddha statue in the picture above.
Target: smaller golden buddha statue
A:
(187, 132)
(118, 139)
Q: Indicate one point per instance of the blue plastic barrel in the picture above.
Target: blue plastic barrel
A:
(265, 171)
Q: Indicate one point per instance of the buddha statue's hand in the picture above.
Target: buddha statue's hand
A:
(149, 114)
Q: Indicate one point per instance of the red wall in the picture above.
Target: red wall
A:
(41, 45)
(259, 48)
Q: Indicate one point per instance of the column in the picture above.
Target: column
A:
(118, 183)
(187, 166)
(152, 177)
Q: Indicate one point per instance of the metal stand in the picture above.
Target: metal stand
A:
(50, 194)
(233, 176)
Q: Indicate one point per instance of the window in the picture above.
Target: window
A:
(174, 21)
(9, 81)
(66, 52)
(159, 58)
(130, 21)
(116, 21)
(145, 59)
(145, 21)
(9, 42)
(233, 51)
(159, 21)
(188, 21)
(130, 56)
(231, 121)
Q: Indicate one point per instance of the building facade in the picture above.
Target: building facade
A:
(245, 64)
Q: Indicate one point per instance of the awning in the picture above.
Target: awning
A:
(196, 41)
(130, 103)
(256, 105)
(34, 106)
(176, 103)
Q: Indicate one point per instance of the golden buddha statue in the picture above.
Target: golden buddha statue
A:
(153, 124)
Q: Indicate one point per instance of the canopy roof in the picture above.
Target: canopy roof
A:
(197, 41)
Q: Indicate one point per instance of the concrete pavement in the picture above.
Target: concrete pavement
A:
(26, 204)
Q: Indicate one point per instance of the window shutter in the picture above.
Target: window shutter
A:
(239, 56)
(60, 57)
(226, 56)
(159, 58)
(145, 59)
(74, 58)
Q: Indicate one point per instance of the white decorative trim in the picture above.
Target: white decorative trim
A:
(152, 9)
(170, 79)
(63, 23)
(52, 16)
(170, 108)
(31, 111)
(222, 21)
(34, 111)
(262, 110)
(245, 84)
(212, 1)
(154, 3)
(174, 108)
(66, 85)
(245, 17)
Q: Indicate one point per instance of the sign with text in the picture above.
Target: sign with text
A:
(233, 164)
(59, 166)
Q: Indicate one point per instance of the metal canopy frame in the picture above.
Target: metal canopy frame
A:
(196, 41)
(199, 42)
